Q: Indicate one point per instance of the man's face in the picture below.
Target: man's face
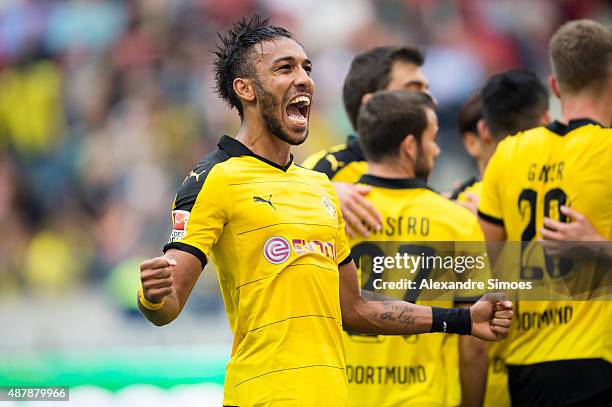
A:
(407, 76)
(283, 88)
(428, 149)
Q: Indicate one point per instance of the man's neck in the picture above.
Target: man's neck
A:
(258, 139)
(482, 165)
(586, 106)
(390, 170)
(483, 160)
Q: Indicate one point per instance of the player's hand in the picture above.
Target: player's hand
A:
(580, 229)
(156, 278)
(359, 215)
(472, 202)
(491, 317)
(558, 238)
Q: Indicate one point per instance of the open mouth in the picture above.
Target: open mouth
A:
(297, 110)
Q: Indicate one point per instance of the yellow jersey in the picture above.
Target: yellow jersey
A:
(414, 370)
(473, 185)
(342, 163)
(530, 175)
(276, 236)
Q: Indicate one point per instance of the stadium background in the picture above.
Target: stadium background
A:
(106, 105)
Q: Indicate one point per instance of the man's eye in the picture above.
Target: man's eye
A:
(285, 67)
(308, 69)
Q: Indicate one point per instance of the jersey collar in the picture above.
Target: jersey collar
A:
(393, 183)
(236, 149)
(562, 129)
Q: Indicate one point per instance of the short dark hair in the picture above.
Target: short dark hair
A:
(581, 55)
(387, 118)
(513, 101)
(370, 71)
(232, 54)
(470, 113)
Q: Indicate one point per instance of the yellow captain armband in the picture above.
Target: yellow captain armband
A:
(152, 306)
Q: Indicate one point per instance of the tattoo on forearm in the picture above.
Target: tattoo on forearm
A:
(397, 306)
(387, 316)
(396, 312)
(407, 319)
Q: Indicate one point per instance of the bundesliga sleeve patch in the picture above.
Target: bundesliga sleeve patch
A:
(179, 225)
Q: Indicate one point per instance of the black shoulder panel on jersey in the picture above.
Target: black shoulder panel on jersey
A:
(187, 194)
(333, 162)
(463, 187)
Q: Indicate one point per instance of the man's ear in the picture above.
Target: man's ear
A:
(484, 132)
(554, 86)
(409, 147)
(366, 97)
(472, 144)
(244, 89)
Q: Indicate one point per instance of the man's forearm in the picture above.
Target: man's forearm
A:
(363, 312)
(388, 318)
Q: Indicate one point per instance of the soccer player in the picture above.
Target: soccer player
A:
(276, 235)
(383, 68)
(511, 101)
(397, 133)
(561, 351)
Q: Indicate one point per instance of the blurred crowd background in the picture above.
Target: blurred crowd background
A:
(106, 105)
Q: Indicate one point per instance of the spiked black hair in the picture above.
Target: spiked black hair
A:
(513, 101)
(233, 59)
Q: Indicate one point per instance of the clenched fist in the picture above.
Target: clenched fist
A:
(491, 317)
(156, 278)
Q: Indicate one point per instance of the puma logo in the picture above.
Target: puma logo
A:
(268, 201)
(196, 175)
(333, 162)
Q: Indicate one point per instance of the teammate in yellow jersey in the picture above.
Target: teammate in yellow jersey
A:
(275, 232)
(398, 137)
(560, 351)
(391, 67)
(511, 101)
(515, 100)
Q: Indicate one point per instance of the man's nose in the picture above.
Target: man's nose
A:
(437, 151)
(303, 79)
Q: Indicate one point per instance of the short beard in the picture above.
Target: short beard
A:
(269, 105)
(421, 168)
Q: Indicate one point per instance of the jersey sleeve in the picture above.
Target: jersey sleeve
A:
(200, 210)
(489, 207)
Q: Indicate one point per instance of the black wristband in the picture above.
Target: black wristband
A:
(451, 320)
